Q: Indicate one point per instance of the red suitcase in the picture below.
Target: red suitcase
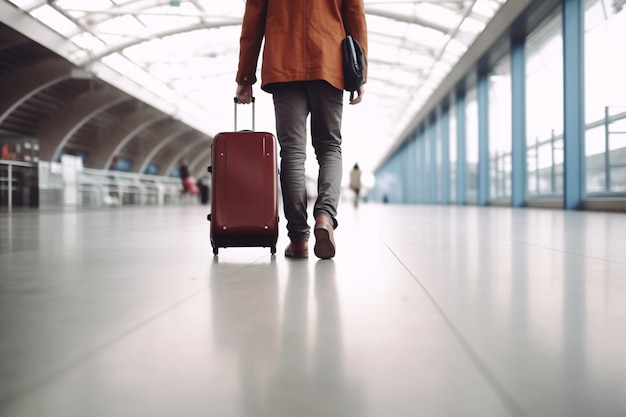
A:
(244, 189)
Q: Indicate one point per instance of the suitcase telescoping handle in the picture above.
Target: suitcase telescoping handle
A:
(236, 102)
(210, 168)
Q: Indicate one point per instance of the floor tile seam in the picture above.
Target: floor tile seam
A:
(579, 255)
(505, 396)
(50, 377)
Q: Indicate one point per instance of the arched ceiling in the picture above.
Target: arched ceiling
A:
(181, 57)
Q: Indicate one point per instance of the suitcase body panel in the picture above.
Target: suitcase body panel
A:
(244, 192)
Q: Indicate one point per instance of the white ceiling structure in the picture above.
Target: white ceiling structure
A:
(181, 57)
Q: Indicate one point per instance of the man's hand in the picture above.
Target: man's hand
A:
(359, 95)
(244, 93)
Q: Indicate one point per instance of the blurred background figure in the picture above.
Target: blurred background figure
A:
(189, 185)
(355, 183)
(203, 188)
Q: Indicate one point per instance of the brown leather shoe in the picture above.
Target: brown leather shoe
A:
(297, 250)
(324, 238)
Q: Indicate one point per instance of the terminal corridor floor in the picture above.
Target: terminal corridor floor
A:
(426, 311)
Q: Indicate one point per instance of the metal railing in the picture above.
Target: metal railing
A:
(24, 184)
(113, 188)
(546, 180)
(9, 183)
(611, 166)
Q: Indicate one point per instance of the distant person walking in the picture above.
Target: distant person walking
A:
(189, 185)
(355, 183)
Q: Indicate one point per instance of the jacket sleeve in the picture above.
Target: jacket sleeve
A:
(355, 24)
(252, 32)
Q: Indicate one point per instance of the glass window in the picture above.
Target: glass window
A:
(122, 164)
(605, 96)
(500, 141)
(152, 169)
(471, 136)
(544, 110)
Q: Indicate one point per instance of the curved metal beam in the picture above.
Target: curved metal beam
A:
(407, 19)
(179, 156)
(60, 127)
(163, 159)
(130, 135)
(200, 163)
(34, 29)
(167, 139)
(120, 47)
(22, 84)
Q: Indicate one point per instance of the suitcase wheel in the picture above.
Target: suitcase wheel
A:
(215, 250)
(273, 250)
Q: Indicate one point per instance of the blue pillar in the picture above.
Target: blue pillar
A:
(433, 180)
(518, 123)
(574, 101)
(412, 149)
(423, 174)
(402, 172)
(396, 193)
(444, 128)
(414, 168)
(483, 139)
(407, 164)
(461, 157)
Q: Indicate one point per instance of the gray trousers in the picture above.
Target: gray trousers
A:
(293, 102)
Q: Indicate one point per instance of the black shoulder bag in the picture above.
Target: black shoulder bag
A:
(353, 64)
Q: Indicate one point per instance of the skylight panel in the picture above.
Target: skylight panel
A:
(195, 87)
(412, 59)
(179, 45)
(184, 8)
(171, 70)
(382, 51)
(402, 8)
(378, 24)
(55, 20)
(472, 26)
(455, 48)
(25, 4)
(486, 8)
(147, 51)
(429, 37)
(440, 69)
(217, 42)
(438, 14)
(229, 8)
(131, 71)
(383, 37)
(88, 42)
(122, 27)
(403, 77)
(164, 18)
(85, 5)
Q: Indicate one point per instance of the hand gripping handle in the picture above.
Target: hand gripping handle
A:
(253, 111)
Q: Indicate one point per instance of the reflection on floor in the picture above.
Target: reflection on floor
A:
(425, 311)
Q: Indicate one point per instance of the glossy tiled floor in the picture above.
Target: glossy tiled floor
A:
(426, 311)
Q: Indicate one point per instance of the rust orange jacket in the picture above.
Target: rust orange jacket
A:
(302, 40)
